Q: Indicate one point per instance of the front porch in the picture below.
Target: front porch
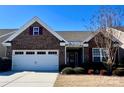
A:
(74, 56)
(78, 53)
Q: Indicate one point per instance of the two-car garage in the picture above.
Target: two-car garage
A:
(36, 47)
(36, 60)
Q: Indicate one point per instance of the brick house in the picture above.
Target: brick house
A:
(35, 46)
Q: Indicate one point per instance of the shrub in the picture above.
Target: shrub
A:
(86, 65)
(0, 59)
(62, 67)
(94, 65)
(5, 64)
(103, 72)
(79, 70)
(99, 65)
(68, 70)
(120, 65)
(90, 71)
(119, 68)
(119, 72)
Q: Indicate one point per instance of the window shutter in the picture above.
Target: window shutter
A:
(40, 30)
(30, 30)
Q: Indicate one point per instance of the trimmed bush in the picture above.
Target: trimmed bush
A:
(79, 70)
(119, 72)
(68, 70)
(90, 71)
(103, 72)
(5, 64)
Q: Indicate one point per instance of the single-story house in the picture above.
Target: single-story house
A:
(35, 46)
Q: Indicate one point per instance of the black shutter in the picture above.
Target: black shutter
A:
(30, 30)
(40, 30)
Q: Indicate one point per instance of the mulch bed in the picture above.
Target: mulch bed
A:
(88, 81)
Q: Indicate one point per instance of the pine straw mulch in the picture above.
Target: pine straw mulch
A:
(88, 81)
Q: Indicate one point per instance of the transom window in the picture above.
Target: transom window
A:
(41, 52)
(52, 53)
(30, 53)
(19, 53)
(99, 54)
(35, 31)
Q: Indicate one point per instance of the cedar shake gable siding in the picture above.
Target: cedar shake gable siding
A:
(44, 41)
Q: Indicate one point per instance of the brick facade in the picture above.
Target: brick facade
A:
(88, 50)
(45, 41)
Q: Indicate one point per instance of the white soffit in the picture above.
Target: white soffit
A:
(85, 45)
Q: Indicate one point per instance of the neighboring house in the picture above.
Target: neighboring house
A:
(4, 34)
(35, 46)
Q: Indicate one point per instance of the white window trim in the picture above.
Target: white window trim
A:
(35, 31)
(100, 54)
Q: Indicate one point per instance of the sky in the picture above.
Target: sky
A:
(59, 18)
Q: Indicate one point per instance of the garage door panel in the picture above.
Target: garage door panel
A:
(47, 59)
(35, 61)
(22, 62)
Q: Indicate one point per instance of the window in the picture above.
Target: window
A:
(40, 53)
(99, 54)
(30, 53)
(96, 55)
(35, 31)
(52, 53)
(19, 53)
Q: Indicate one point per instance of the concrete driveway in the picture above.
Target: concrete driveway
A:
(27, 79)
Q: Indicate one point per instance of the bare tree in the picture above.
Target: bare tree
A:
(103, 23)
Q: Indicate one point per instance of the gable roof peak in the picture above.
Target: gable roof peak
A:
(35, 18)
(30, 22)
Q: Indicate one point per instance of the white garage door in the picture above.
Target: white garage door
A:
(39, 60)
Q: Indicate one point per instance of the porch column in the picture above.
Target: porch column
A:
(85, 52)
(65, 55)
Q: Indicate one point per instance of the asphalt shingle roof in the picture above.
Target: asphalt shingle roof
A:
(67, 35)
(3, 32)
(74, 35)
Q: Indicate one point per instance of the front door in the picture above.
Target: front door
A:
(72, 58)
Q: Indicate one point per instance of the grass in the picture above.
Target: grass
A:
(88, 81)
